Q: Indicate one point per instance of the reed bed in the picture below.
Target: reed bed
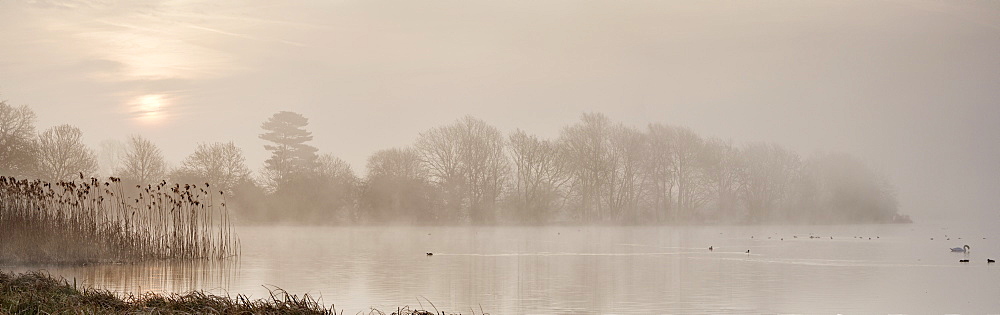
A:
(40, 293)
(102, 221)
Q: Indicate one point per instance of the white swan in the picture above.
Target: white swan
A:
(961, 249)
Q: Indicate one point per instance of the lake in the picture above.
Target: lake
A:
(594, 269)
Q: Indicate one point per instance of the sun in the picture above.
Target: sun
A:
(149, 109)
(151, 103)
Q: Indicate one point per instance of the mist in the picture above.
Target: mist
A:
(906, 86)
(809, 117)
(468, 172)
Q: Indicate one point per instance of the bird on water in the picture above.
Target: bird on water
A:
(962, 249)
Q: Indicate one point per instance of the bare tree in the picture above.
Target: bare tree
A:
(692, 191)
(337, 187)
(143, 162)
(539, 177)
(330, 166)
(620, 174)
(625, 180)
(766, 174)
(396, 163)
(222, 165)
(110, 156)
(722, 164)
(397, 188)
(485, 165)
(17, 144)
(659, 168)
(439, 149)
(467, 160)
(586, 146)
(62, 154)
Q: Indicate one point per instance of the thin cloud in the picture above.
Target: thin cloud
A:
(194, 26)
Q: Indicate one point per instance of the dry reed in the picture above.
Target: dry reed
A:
(95, 221)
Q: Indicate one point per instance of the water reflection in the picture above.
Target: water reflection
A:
(572, 270)
(154, 276)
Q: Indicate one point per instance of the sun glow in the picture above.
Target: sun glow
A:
(149, 109)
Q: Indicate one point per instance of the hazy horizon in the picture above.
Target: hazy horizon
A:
(910, 87)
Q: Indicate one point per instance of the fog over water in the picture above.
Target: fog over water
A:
(737, 118)
(909, 86)
(597, 270)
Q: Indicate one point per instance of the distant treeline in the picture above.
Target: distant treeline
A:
(595, 171)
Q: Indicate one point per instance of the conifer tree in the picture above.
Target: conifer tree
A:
(290, 155)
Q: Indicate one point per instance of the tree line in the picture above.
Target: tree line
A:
(595, 171)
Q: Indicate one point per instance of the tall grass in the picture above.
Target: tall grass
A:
(40, 293)
(95, 221)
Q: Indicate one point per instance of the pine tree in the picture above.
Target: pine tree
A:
(290, 155)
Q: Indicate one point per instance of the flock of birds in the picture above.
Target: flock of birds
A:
(963, 249)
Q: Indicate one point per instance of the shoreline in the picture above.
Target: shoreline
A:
(36, 292)
(292, 223)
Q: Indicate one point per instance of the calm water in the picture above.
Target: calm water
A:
(635, 270)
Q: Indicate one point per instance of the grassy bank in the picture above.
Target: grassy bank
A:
(40, 293)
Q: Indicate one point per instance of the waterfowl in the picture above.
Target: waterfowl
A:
(710, 248)
(430, 254)
(990, 261)
(964, 260)
(962, 249)
(748, 252)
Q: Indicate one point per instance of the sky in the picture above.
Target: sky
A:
(911, 87)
